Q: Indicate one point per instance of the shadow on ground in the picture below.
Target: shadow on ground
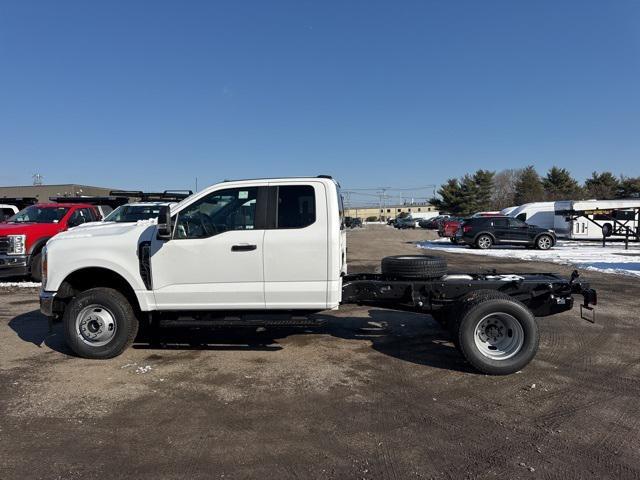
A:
(411, 337)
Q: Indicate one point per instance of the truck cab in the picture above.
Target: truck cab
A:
(267, 244)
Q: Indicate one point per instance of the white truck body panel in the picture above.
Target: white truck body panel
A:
(293, 269)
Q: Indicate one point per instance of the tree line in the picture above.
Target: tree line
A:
(485, 190)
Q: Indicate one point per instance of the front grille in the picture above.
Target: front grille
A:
(4, 244)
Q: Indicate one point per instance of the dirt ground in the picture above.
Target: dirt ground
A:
(345, 400)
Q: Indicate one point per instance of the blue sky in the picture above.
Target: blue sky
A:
(152, 94)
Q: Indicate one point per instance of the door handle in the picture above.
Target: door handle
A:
(243, 247)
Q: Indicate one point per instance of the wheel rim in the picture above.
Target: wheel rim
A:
(499, 336)
(484, 242)
(95, 325)
(544, 243)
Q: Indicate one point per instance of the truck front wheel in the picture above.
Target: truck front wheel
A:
(99, 323)
(497, 334)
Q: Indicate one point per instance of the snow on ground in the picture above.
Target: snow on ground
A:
(24, 284)
(587, 255)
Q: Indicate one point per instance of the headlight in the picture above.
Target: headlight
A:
(17, 244)
(45, 267)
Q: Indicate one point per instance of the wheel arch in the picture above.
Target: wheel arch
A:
(86, 278)
(485, 232)
(38, 245)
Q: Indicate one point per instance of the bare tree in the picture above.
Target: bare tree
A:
(504, 188)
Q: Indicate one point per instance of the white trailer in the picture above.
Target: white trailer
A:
(598, 219)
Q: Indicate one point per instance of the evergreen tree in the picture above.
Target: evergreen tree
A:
(483, 180)
(602, 186)
(560, 185)
(450, 197)
(528, 187)
(629, 187)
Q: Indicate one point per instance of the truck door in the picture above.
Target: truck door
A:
(296, 247)
(215, 258)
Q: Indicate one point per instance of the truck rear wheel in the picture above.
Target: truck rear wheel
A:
(99, 323)
(495, 333)
(415, 266)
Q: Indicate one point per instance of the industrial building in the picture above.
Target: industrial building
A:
(388, 211)
(43, 192)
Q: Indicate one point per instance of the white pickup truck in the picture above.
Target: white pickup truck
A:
(275, 246)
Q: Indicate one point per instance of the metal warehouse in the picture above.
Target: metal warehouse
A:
(43, 192)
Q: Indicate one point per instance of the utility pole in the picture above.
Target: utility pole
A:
(37, 179)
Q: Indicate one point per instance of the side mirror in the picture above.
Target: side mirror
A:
(164, 223)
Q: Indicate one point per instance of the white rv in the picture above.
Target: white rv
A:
(593, 219)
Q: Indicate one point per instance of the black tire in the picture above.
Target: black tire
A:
(126, 323)
(606, 230)
(414, 266)
(484, 241)
(477, 306)
(36, 267)
(542, 245)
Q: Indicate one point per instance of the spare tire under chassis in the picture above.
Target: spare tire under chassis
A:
(414, 266)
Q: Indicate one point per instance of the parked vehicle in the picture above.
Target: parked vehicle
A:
(508, 210)
(9, 206)
(352, 222)
(135, 212)
(23, 235)
(484, 232)
(449, 228)
(276, 247)
(433, 223)
(7, 211)
(405, 222)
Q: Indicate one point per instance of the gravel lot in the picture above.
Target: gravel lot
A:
(345, 400)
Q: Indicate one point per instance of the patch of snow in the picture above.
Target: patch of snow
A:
(587, 255)
(20, 284)
(142, 370)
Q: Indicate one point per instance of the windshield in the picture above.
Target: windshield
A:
(38, 214)
(133, 213)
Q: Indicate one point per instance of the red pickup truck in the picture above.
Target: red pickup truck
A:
(23, 235)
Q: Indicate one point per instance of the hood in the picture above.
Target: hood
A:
(104, 229)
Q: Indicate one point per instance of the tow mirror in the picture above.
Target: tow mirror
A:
(164, 223)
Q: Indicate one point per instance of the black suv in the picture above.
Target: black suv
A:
(484, 232)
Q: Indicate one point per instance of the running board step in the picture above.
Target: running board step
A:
(243, 321)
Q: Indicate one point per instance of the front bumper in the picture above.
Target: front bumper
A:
(46, 303)
(14, 265)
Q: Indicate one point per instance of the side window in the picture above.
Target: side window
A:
(218, 212)
(522, 216)
(80, 216)
(500, 223)
(516, 223)
(296, 206)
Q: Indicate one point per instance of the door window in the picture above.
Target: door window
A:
(80, 216)
(500, 223)
(515, 223)
(218, 212)
(296, 206)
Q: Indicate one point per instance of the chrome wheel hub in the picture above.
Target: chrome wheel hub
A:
(544, 243)
(499, 336)
(484, 242)
(95, 325)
